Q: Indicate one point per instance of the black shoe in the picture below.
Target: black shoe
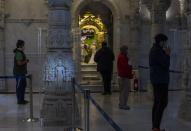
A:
(25, 102)
(124, 107)
(105, 93)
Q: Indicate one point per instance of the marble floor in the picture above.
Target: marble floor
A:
(136, 119)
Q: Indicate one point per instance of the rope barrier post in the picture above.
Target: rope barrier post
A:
(86, 109)
(31, 118)
(73, 103)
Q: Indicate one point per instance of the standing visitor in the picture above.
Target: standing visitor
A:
(20, 69)
(104, 59)
(125, 73)
(159, 61)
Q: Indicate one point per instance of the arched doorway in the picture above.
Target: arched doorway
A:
(101, 18)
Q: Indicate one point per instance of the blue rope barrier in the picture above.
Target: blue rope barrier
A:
(112, 123)
(14, 77)
(171, 71)
(81, 89)
(178, 72)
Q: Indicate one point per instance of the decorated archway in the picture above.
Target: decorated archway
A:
(81, 8)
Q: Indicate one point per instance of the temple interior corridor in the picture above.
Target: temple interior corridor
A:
(56, 41)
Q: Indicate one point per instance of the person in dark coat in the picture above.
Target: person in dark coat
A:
(104, 59)
(159, 61)
(20, 69)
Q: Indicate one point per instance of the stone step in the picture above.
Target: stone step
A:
(88, 72)
(91, 82)
(99, 88)
(89, 67)
(91, 77)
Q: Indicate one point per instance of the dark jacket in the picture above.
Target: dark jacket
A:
(104, 59)
(124, 69)
(159, 65)
(19, 70)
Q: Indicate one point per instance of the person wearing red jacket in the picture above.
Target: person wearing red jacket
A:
(125, 73)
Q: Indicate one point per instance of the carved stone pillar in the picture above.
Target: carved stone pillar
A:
(2, 44)
(185, 108)
(59, 66)
(158, 16)
(157, 10)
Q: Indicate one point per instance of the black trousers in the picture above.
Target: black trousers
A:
(160, 92)
(20, 90)
(106, 76)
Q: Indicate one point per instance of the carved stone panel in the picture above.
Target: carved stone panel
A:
(58, 63)
(59, 38)
(60, 18)
(57, 109)
(158, 17)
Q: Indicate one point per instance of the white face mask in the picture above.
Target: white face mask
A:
(21, 49)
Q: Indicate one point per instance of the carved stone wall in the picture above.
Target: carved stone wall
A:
(22, 20)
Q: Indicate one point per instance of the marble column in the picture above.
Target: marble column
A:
(59, 66)
(2, 44)
(185, 107)
(157, 10)
(158, 16)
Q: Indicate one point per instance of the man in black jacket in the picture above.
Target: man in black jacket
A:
(159, 61)
(104, 59)
(20, 69)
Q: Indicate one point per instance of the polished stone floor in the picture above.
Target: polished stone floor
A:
(136, 119)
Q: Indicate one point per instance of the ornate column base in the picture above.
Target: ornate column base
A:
(57, 109)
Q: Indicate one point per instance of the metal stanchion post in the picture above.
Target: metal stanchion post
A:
(31, 118)
(86, 109)
(73, 103)
(74, 128)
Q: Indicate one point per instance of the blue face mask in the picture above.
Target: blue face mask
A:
(165, 45)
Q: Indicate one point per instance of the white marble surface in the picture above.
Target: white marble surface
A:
(137, 119)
